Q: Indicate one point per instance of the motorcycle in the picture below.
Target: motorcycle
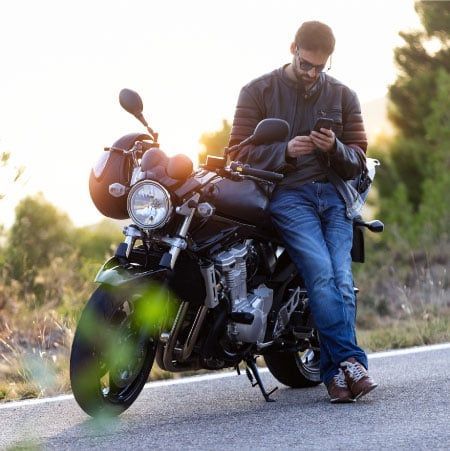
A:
(201, 281)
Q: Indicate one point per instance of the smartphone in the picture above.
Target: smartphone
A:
(323, 122)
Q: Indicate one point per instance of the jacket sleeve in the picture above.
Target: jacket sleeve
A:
(348, 158)
(270, 157)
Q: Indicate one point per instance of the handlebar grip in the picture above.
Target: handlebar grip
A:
(247, 170)
(267, 175)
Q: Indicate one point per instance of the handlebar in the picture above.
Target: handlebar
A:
(245, 169)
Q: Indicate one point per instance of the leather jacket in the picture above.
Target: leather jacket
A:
(275, 95)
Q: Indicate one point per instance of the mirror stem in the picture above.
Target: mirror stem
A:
(140, 117)
(153, 134)
(246, 141)
(142, 120)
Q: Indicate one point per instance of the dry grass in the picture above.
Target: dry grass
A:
(34, 363)
(415, 331)
(406, 303)
(38, 365)
(403, 287)
(407, 307)
(34, 356)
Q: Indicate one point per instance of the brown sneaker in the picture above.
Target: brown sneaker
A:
(338, 389)
(358, 379)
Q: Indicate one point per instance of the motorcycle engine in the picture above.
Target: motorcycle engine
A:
(249, 309)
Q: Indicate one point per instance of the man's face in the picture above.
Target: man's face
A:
(308, 64)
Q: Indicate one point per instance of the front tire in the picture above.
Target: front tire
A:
(112, 354)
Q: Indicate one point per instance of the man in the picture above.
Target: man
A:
(306, 208)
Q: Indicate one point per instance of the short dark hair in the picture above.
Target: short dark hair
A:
(315, 36)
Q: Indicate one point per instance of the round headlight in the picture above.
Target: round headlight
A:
(149, 205)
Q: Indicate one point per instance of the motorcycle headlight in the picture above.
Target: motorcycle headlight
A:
(149, 205)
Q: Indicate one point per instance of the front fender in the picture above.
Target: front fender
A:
(114, 274)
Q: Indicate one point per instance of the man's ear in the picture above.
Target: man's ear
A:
(293, 48)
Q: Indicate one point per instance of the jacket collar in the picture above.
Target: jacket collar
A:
(306, 93)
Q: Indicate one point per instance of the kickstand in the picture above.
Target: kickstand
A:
(253, 374)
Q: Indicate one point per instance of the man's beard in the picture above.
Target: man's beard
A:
(308, 80)
(304, 80)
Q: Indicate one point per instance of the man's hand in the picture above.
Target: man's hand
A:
(300, 145)
(325, 140)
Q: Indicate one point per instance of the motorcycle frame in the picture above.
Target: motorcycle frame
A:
(170, 357)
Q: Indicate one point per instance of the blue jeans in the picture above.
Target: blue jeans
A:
(318, 235)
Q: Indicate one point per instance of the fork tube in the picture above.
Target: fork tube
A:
(175, 250)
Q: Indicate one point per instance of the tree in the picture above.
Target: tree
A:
(411, 96)
(96, 241)
(434, 213)
(215, 142)
(49, 259)
(435, 17)
(39, 234)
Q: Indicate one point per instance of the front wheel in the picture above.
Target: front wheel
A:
(112, 353)
(295, 369)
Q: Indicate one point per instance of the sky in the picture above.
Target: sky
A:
(63, 64)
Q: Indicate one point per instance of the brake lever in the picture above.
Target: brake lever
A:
(239, 177)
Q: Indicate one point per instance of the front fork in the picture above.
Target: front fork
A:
(177, 244)
(117, 271)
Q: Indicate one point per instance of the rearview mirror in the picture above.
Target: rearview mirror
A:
(131, 102)
(270, 130)
(267, 131)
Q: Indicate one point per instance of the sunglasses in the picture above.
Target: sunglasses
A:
(307, 66)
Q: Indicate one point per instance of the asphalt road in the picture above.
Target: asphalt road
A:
(409, 410)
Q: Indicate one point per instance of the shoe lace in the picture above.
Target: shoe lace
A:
(339, 379)
(356, 370)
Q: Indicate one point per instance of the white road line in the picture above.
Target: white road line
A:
(205, 377)
(414, 350)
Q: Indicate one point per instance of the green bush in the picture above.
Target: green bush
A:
(50, 258)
